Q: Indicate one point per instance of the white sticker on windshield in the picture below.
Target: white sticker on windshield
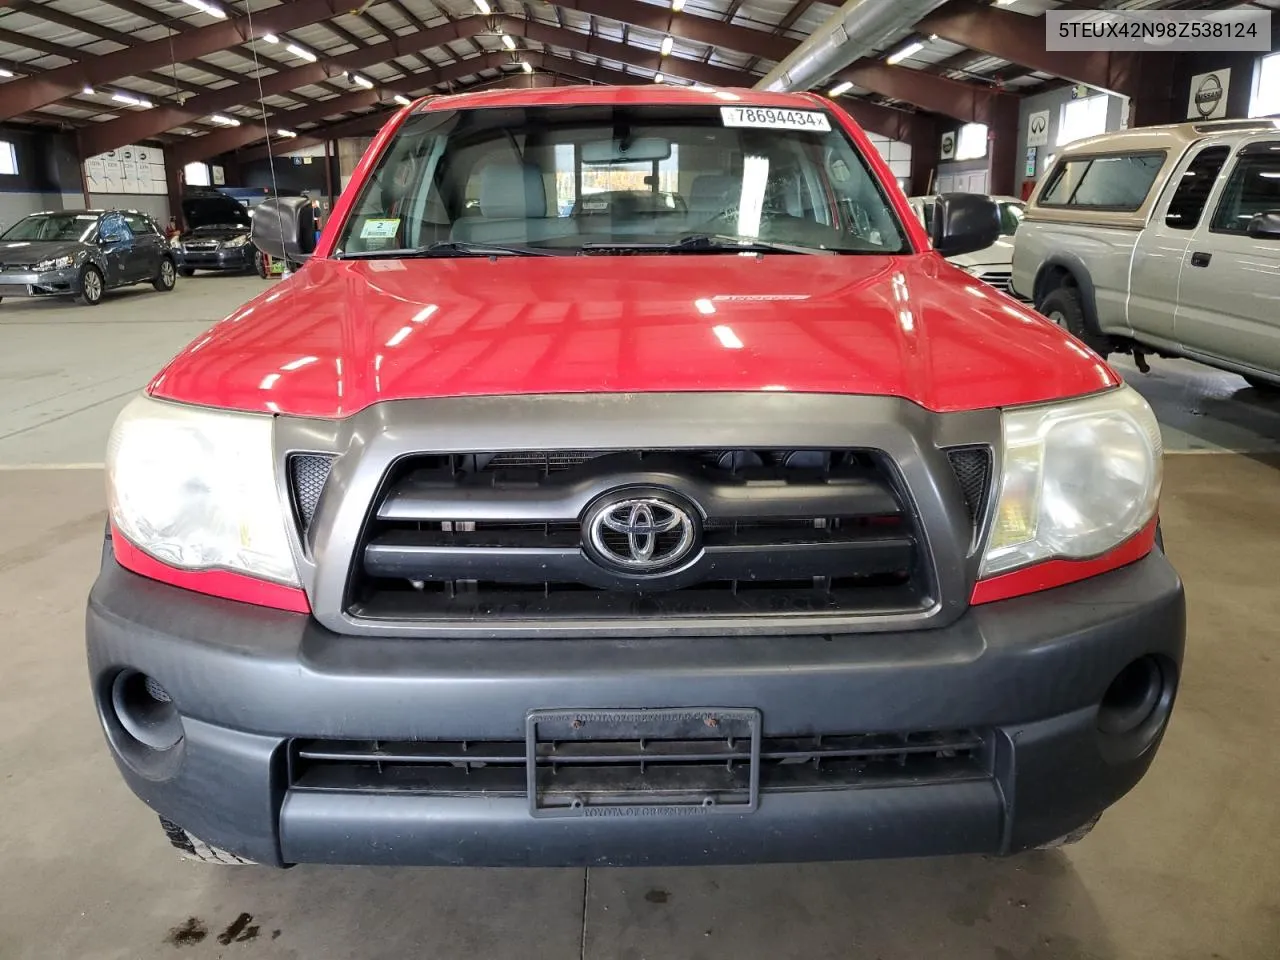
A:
(775, 118)
(380, 229)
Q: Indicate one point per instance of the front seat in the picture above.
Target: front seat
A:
(711, 194)
(513, 207)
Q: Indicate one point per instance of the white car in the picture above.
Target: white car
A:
(993, 265)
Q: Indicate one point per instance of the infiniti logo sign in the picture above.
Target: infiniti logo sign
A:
(642, 536)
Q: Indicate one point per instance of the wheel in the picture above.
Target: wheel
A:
(1267, 387)
(196, 849)
(91, 286)
(187, 271)
(166, 276)
(1065, 308)
(1075, 836)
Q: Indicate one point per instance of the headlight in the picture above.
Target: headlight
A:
(1079, 479)
(58, 263)
(235, 242)
(196, 489)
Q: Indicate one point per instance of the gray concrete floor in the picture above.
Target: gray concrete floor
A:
(1185, 868)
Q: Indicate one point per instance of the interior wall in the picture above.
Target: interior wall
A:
(155, 205)
(897, 154)
(1053, 100)
(48, 176)
(1241, 64)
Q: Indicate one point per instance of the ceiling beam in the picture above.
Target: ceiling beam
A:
(688, 26)
(232, 138)
(1019, 39)
(29, 93)
(951, 98)
(885, 121)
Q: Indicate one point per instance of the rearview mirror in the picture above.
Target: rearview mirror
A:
(1265, 225)
(963, 223)
(620, 151)
(285, 228)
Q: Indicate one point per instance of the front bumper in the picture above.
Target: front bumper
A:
(51, 283)
(1029, 671)
(234, 258)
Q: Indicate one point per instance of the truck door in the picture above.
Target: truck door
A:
(1162, 247)
(1230, 280)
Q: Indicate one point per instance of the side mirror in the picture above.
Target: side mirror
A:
(963, 223)
(1265, 225)
(285, 228)
(112, 238)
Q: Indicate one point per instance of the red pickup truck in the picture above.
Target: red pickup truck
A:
(740, 527)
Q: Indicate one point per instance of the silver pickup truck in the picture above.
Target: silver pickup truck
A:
(1163, 240)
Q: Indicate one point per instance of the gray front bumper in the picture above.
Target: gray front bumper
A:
(50, 283)
(247, 680)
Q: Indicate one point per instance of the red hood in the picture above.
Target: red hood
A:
(343, 335)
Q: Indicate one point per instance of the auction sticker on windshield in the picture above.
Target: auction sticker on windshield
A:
(776, 119)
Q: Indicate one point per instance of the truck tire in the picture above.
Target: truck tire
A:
(1065, 308)
(196, 849)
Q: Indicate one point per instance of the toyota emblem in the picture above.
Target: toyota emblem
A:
(642, 536)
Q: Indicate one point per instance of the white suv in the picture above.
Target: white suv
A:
(1163, 240)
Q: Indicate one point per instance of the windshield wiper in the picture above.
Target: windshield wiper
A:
(446, 248)
(703, 243)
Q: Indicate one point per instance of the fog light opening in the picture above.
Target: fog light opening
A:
(146, 711)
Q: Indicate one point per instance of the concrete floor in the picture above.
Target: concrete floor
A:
(1185, 868)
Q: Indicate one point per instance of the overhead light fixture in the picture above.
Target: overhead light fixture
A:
(224, 120)
(88, 91)
(840, 88)
(130, 101)
(908, 50)
(527, 66)
(401, 99)
(483, 7)
(287, 134)
(677, 6)
(508, 42)
(5, 73)
(270, 38)
(360, 81)
(205, 7)
(298, 51)
(933, 38)
(667, 43)
(657, 78)
(1003, 3)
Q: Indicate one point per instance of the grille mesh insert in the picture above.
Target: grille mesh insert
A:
(972, 466)
(307, 475)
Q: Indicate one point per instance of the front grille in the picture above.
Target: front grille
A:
(1000, 279)
(972, 466)
(462, 536)
(652, 767)
(307, 475)
(201, 245)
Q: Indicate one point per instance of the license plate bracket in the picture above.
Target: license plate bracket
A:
(684, 761)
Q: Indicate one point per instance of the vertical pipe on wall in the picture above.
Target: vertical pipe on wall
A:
(328, 175)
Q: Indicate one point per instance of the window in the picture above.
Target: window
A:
(140, 224)
(8, 159)
(1254, 188)
(113, 225)
(196, 174)
(1193, 188)
(1110, 183)
(972, 141)
(53, 226)
(618, 180)
(1082, 118)
(1266, 87)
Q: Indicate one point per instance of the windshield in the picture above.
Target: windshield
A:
(604, 179)
(1010, 217)
(53, 226)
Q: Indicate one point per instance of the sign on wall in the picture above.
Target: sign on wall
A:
(218, 175)
(1208, 99)
(948, 146)
(1038, 129)
(1029, 169)
(130, 169)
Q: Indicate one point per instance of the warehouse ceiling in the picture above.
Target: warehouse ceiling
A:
(180, 71)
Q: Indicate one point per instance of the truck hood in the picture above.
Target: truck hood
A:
(341, 335)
